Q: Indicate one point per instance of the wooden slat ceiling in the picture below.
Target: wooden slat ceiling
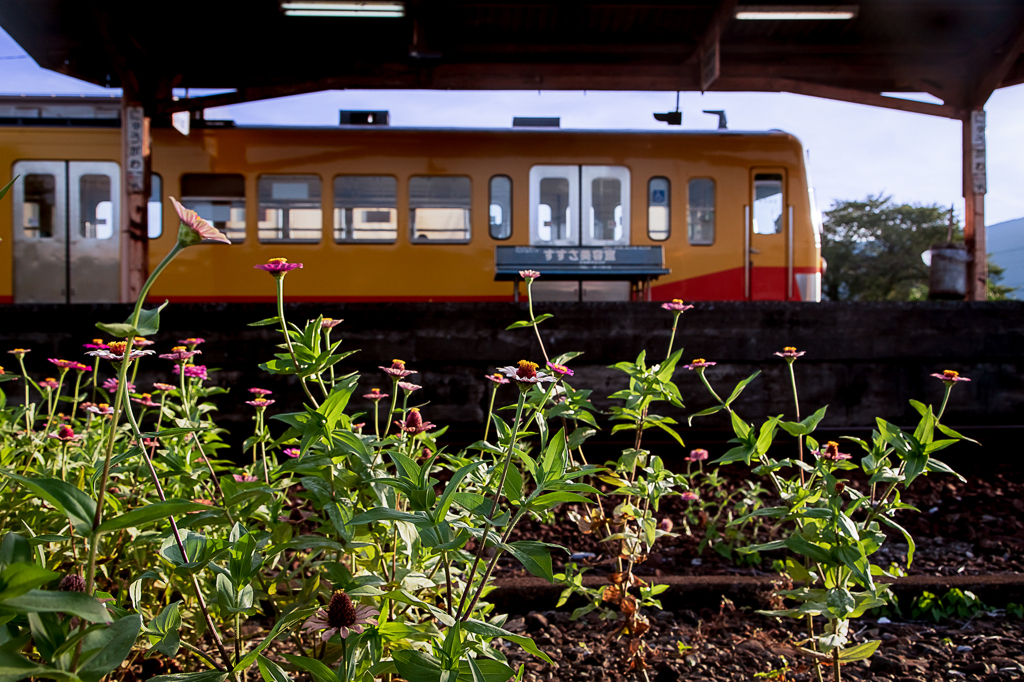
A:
(957, 50)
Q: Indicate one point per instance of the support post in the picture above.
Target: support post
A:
(135, 181)
(975, 181)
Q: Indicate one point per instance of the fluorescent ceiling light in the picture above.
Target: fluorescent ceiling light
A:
(333, 8)
(795, 12)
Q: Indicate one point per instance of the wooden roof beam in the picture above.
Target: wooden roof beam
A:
(709, 48)
(998, 65)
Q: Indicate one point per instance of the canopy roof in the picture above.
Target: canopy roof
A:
(957, 50)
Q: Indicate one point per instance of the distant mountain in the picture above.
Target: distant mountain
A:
(1006, 247)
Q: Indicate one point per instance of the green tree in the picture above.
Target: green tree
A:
(873, 248)
(997, 291)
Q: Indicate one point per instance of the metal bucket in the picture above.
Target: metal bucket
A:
(947, 274)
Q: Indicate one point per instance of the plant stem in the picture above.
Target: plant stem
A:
(529, 300)
(945, 399)
(202, 654)
(672, 339)
(490, 412)
(796, 403)
(74, 404)
(391, 409)
(288, 339)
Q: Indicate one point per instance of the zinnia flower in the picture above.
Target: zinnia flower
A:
(260, 392)
(63, 364)
(831, 452)
(102, 408)
(194, 229)
(676, 306)
(789, 353)
(689, 497)
(97, 344)
(525, 374)
(110, 385)
(950, 377)
(64, 434)
(260, 403)
(292, 452)
(398, 370)
(80, 367)
(146, 400)
(180, 354)
(191, 341)
(19, 352)
(414, 423)
(245, 478)
(698, 455)
(496, 378)
(560, 369)
(408, 387)
(192, 371)
(329, 323)
(163, 387)
(699, 364)
(529, 274)
(115, 352)
(142, 341)
(49, 382)
(278, 267)
(375, 394)
(341, 616)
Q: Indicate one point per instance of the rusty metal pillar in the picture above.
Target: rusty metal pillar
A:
(975, 186)
(135, 183)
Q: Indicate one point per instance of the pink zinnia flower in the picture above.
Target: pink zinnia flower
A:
(245, 478)
(676, 306)
(375, 395)
(831, 452)
(398, 370)
(496, 378)
(950, 377)
(525, 374)
(260, 392)
(414, 423)
(116, 350)
(191, 341)
(699, 364)
(529, 274)
(406, 386)
(789, 353)
(49, 382)
(192, 371)
(195, 229)
(97, 344)
(80, 367)
(560, 369)
(64, 434)
(689, 497)
(63, 364)
(180, 354)
(292, 452)
(142, 342)
(102, 408)
(341, 616)
(110, 385)
(698, 455)
(163, 387)
(19, 352)
(260, 403)
(329, 323)
(146, 400)
(278, 267)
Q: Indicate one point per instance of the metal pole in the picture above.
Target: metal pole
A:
(789, 267)
(746, 252)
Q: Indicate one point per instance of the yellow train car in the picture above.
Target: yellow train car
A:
(377, 213)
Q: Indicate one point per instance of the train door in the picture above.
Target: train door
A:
(574, 206)
(767, 237)
(66, 232)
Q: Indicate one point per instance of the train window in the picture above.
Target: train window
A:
(767, 203)
(219, 198)
(658, 209)
(439, 208)
(95, 207)
(289, 208)
(365, 208)
(606, 209)
(553, 213)
(154, 207)
(39, 204)
(500, 203)
(701, 205)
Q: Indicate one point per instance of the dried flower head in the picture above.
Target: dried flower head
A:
(676, 306)
(194, 229)
(699, 364)
(341, 616)
(72, 582)
(278, 267)
(397, 369)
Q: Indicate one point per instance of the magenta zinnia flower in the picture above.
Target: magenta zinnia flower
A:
(97, 344)
(180, 354)
(19, 352)
(496, 378)
(525, 373)
(64, 434)
(163, 387)
(292, 452)
(142, 342)
(698, 455)
(278, 267)
(102, 408)
(529, 274)
(560, 369)
(110, 385)
(192, 371)
(245, 478)
(398, 370)
(194, 229)
(260, 403)
(80, 367)
(699, 364)
(260, 392)
(63, 364)
(49, 382)
(948, 376)
(676, 306)
(341, 616)
(414, 423)
(689, 497)
(191, 341)
(146, 400)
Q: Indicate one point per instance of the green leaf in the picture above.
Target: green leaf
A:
(6, 188)
(19, 578)
(906, 536)
(840, 602)
(154, 511)
(529, 323)
(859, 652)
(549, 500)
(117, 329)
(271, 671)
(513, 488)
(75, 504)
(800, 545)
(195, 547)
(166, 627)
(319, 671)
(739, 388)
(108, 647)
(806, 426)
(415, 666)
(452, 487)
(384, 514)
(484, 670)
(207, 676)
(266, 322)
(14, 666)
(483, 629)
(534, 556)
(76, 603)
(292, 618)
(149, 320)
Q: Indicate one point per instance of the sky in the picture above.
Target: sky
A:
(854, 150)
